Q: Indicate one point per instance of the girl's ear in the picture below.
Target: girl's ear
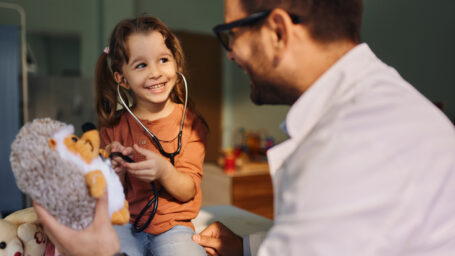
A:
(119, 79)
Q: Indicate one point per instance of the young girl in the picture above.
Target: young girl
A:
(141, 71)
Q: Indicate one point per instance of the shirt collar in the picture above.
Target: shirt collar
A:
(311, 106)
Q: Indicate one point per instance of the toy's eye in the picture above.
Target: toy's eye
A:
(74, 139)
(2, 245)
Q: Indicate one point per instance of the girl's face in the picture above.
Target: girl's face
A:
(151, 72)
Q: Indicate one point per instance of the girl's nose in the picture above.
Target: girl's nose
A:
(154, 73)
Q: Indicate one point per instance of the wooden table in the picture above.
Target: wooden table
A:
(249, 188)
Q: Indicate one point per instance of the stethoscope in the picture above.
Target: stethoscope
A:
(154, 201)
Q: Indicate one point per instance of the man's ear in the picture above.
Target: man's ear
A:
(281, 25)
(120, 79)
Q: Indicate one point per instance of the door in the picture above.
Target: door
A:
(203, 62)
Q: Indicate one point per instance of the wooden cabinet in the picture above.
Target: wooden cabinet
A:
(203, 57)
(249, 189)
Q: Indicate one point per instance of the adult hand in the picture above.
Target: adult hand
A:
(97, 239)
(154, 166)
(217, 239)
(118, 164)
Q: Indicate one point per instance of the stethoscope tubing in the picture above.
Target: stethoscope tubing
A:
(171, 156)
(154, 138)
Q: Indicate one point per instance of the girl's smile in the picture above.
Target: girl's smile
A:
(156, 88)
(151, 72)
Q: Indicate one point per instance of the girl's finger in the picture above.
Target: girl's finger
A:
(143, 151)
(116, 160)
(141, 172)
(147, 164)
(211, 251)
(143, 176)
(127, 151)
(116, 147)
(118, 170)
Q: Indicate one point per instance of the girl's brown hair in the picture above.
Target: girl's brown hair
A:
(117, 54)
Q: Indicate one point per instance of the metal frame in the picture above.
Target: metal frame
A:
(21, 12)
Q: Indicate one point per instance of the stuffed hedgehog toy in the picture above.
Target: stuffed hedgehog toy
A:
(64, 173)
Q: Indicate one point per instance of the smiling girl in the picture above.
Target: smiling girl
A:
(144, 64)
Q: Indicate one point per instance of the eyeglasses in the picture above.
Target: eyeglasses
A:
(223, 31)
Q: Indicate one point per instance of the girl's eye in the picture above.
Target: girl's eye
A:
(142, 65)
(164, 60)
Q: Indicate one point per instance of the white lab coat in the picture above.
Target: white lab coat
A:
(369, 168)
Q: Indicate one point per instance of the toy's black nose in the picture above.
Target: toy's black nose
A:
(88, 126)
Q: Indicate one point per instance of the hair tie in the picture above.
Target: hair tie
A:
(106, 50)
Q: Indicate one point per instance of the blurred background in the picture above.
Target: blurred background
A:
(63, 39)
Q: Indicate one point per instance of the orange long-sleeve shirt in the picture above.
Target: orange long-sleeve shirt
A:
(170, 211)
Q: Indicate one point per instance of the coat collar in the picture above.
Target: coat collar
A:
(311, 106)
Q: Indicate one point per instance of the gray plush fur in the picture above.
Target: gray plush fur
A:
(50, 181)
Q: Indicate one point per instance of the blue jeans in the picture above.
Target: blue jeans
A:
(174, 242)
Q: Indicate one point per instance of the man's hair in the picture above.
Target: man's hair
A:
(327, 20)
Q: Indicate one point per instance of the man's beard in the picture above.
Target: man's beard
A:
(267, 87)
(265, 91)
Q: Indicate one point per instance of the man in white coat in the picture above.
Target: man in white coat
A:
(369, 166)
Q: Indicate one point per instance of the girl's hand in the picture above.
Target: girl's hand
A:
(118, 164)
(154, 167)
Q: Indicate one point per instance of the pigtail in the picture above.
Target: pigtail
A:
(105, 93)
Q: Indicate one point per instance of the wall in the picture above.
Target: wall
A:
(240, 112)
(200, 16)
(196, 16)
(417, 38)
(414, 36)
(82, 18)
(110, 13)
(10, 196)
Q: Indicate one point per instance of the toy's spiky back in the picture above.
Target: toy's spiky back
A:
(50, 181)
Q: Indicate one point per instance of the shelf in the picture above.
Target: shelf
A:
(249, 189)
